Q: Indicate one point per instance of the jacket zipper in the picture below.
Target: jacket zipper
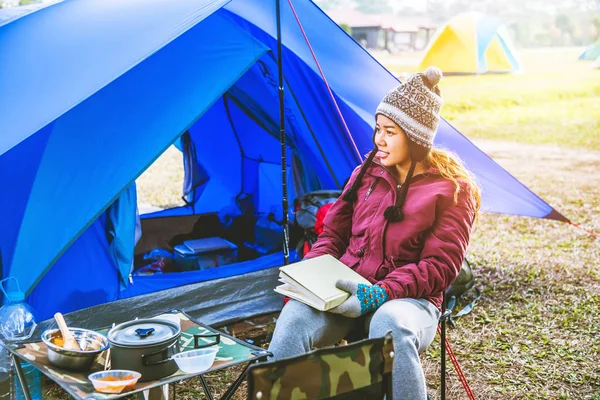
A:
(383, 240)
(397, 188)
(371, 189)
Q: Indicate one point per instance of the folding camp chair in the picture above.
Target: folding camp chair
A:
(361, 370)
(357, 335)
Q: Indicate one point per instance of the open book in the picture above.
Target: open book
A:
(312, 281)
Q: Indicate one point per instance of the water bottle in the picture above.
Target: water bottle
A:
(17, 322)
(5, 373)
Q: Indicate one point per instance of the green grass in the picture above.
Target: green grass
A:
(161, 185)
(540, 109)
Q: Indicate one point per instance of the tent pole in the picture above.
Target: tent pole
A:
(286, 228)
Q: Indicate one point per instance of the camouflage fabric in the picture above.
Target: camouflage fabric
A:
(231, 352)
(326, 373)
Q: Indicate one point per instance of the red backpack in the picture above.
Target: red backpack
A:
(311, 209)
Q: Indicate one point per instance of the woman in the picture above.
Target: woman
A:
(403, 222)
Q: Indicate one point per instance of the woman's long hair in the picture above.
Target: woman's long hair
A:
(451, 167)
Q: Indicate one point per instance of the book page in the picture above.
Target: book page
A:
(318, 275)
(302, 296)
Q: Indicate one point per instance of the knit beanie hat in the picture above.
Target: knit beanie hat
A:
(414, 106)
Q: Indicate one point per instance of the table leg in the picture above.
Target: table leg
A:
(206, 389)
(21, 377)
(157, 393)
(235, 385)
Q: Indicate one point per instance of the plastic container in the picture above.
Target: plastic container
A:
(205, 254)
(268, 233)
(115, 381)
(17, 322)
(5, 364)
(196, 361)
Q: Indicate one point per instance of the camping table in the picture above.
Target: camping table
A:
(231, 352)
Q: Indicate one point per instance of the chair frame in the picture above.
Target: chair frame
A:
(443, 319)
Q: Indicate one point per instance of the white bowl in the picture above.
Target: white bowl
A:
(114, 381)
(195, 361)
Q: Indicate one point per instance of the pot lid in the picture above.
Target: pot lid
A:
(143, 332)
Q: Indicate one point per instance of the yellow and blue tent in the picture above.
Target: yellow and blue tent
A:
(592, 52)
(471, 43)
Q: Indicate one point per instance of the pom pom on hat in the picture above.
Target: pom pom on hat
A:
(433, 75)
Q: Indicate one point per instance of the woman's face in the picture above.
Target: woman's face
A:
(392, 142)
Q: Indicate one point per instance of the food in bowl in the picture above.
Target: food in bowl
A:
(114, 381)
(58, 340)
(92, 342)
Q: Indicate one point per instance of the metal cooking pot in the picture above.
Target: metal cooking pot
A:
(91, 342)
(145, 346)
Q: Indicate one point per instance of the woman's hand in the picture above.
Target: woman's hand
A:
(363, 298)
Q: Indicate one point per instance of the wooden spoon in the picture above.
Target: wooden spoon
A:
(70, 342)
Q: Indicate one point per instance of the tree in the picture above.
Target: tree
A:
(334, 4)
(346, 28)
(374, 6)
(438, 10)
(596, 23)
(564, 24)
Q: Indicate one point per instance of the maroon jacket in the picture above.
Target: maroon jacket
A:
(418, 257)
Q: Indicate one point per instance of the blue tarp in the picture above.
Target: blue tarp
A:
(93, 91)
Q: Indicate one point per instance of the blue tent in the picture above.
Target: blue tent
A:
(592, 52)
(93, 91)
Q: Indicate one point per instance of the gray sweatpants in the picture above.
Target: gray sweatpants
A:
(413, 323)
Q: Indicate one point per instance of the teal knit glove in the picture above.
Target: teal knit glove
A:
(363, 298)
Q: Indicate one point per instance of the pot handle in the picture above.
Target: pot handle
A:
(217, 337)
(144, 332)
(145, 362)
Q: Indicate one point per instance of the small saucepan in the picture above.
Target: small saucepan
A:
(148, 346)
